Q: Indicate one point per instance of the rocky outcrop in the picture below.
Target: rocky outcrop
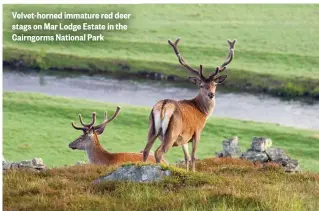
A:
(36, 164)
(278, 155)
(147, 173)
(261, 150)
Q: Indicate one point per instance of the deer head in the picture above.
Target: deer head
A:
(207, 84)
(90, 132)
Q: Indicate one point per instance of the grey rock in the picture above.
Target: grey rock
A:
(37, 161)
(26, 164)
(255, 156)
(219, 154)
(36, 164)
(81, 162)
(148, 173)
(277, 155)
(6, 165)
(292, 166)
(230, 148)
(14, 165)
(172, 78)
(260, 144)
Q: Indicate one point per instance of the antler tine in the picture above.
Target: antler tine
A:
(228, 59)
(93, 120)
(105, 115)
(77, 127)
(182, 60)
(230, 55)
(106, 121)
(84, 124)
(201, 72)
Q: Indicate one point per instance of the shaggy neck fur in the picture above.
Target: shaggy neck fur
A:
(204, 105)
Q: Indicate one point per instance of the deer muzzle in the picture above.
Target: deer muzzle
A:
(211, 95)
(72, 146)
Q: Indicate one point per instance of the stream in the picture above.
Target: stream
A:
(261, 108)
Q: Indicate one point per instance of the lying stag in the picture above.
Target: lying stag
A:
(90, 143)
(178, 122)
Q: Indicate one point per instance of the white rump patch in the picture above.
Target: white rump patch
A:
(165, 124)
(157, 121)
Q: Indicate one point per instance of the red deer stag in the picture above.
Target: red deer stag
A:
(90, 143)
(178, 122)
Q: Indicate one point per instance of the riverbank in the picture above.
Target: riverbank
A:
(36, 125)
(239, 80)
(273, 54)
(141, 92)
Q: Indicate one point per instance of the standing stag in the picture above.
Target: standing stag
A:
(178, 122)
(90, 143)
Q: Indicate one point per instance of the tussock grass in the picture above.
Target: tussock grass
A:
(232, 185)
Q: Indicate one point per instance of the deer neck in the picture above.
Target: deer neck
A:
(96, 153)
(205, 106)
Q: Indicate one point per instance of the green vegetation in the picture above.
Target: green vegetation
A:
(220, 184)
(36, 125)
(276, 52)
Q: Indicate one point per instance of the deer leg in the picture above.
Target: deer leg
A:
(186, 155)
(150, 141)
(167, 143)
(194, 147)
(159, 153)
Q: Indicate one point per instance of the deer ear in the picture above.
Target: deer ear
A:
(195, 80)
(100, 130)
(220, 79)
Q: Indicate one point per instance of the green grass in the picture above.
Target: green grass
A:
(276, 52)
(219, 184)
(36, 125)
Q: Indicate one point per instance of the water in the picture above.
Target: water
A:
(234, 105)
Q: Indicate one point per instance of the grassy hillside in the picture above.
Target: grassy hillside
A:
(276, 51)
(36, 125)
(219, 184)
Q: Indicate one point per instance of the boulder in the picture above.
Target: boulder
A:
(255, 156)
(147, 173)
(291, 166)
(230, 148)
(6, 166)
(37, 161)
(260, 144)
(277, 155)
(25, 164)
(219, 154)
